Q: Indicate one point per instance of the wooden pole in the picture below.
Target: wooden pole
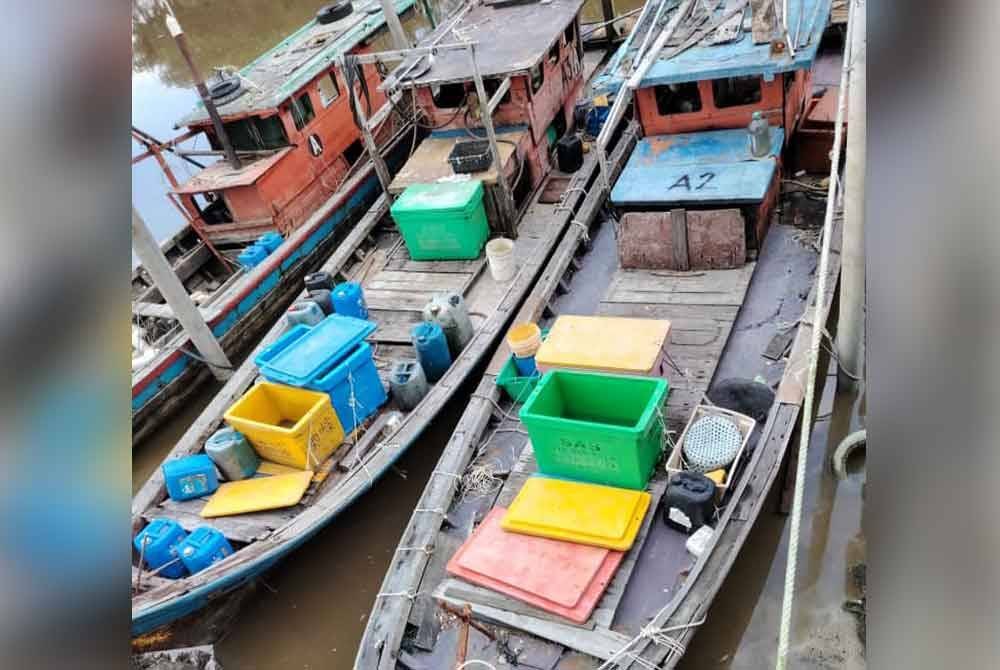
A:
(608, 9)
(149, 252)
(381, 169)
(851, 319)
(220, 131)
(399, 38)
(507, 197)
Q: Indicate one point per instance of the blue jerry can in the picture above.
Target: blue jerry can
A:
(162, 538)
(203, 547)
(190, 477)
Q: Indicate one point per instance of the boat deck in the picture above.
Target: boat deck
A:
(724, 324)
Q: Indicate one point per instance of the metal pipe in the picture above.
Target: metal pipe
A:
(399, 37)
(174, 27)
(851, 318)
(173, 291)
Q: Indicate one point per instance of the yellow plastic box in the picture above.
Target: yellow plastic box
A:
(605, 343)
(602, 516)
(288, 425)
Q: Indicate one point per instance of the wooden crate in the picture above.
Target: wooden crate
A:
(675, 463)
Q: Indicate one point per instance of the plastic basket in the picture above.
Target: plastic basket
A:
(470, 156)
(596, 427)
(675, 463)
(287, 425)
(518, 388)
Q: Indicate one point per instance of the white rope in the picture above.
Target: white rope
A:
(466, 664)
(658, 635)
(584, 230)
(409, 595)
(788, 598)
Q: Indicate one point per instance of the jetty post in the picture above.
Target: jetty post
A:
(149, 252)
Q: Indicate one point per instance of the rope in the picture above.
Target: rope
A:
(788, 598)
(658, 635)
(466, 664)
(584, 230)
(409, 595)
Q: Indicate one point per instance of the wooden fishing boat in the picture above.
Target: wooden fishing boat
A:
(396, 288)
(303, 175)
(733, 314)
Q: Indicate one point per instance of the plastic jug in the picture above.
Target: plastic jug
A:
(252, 256)
(432, 349)
(324, 298)
(760, 136)
(318, 280)
(524, 339)
(448, 311)
(305, 312)
(270, 241)
(232, 454)
(349, 300)
(408, 383)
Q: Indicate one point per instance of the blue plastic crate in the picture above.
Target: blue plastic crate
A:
(304, 353)
(190, 477)
(270, 241)
(356, 371)
(203, 547)
(162, 538)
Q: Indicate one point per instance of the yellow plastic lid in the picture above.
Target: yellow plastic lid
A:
(717, 476)
(257, 494)
(602, 516)
(610, 343)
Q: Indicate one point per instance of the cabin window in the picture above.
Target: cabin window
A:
(492, 86)
(677, 98)
(254, 134)
(329, 91)
(302, 111)
(449, 96)
(736, 91)
(554, 53)
(537, 77)
(353, 152)
(570, 34)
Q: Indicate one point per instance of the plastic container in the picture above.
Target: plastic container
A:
(324, 298)
(445, 221)
(232, 454)
(162, 537)
(252, 256)
(596, 118)
(448, 311)
(500, 256)
(319, 280)
(408, 383)
(432, 349)
(606, 343)
(689, 502)
(270, 241)
(349, 300)
(287, 425)
(595, 427)
(303, 354)
(470, 156)
(515, 385)
(569, 153)
(190, 477)
(304, 312)
(524, 339)
(203, 547)
(354, 387)
(760, 136)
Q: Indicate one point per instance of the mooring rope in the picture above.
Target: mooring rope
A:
(788, 598)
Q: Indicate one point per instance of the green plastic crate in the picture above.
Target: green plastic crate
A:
(595, 427)
(444, 221)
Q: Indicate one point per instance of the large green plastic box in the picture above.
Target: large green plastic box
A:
(444, 221)
(596, 427)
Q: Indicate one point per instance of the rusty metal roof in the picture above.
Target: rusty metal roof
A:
(278, 73)
(510, 38)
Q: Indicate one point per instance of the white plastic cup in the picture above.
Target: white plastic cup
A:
(500, 256)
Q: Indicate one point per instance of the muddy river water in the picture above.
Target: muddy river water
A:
(310, 611)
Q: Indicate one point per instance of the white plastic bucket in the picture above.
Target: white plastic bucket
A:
(500, 256)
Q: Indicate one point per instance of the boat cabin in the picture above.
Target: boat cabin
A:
(694, 170)
(288, 118)
(537, 46)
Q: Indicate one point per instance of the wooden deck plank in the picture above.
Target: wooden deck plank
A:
(397, 280)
